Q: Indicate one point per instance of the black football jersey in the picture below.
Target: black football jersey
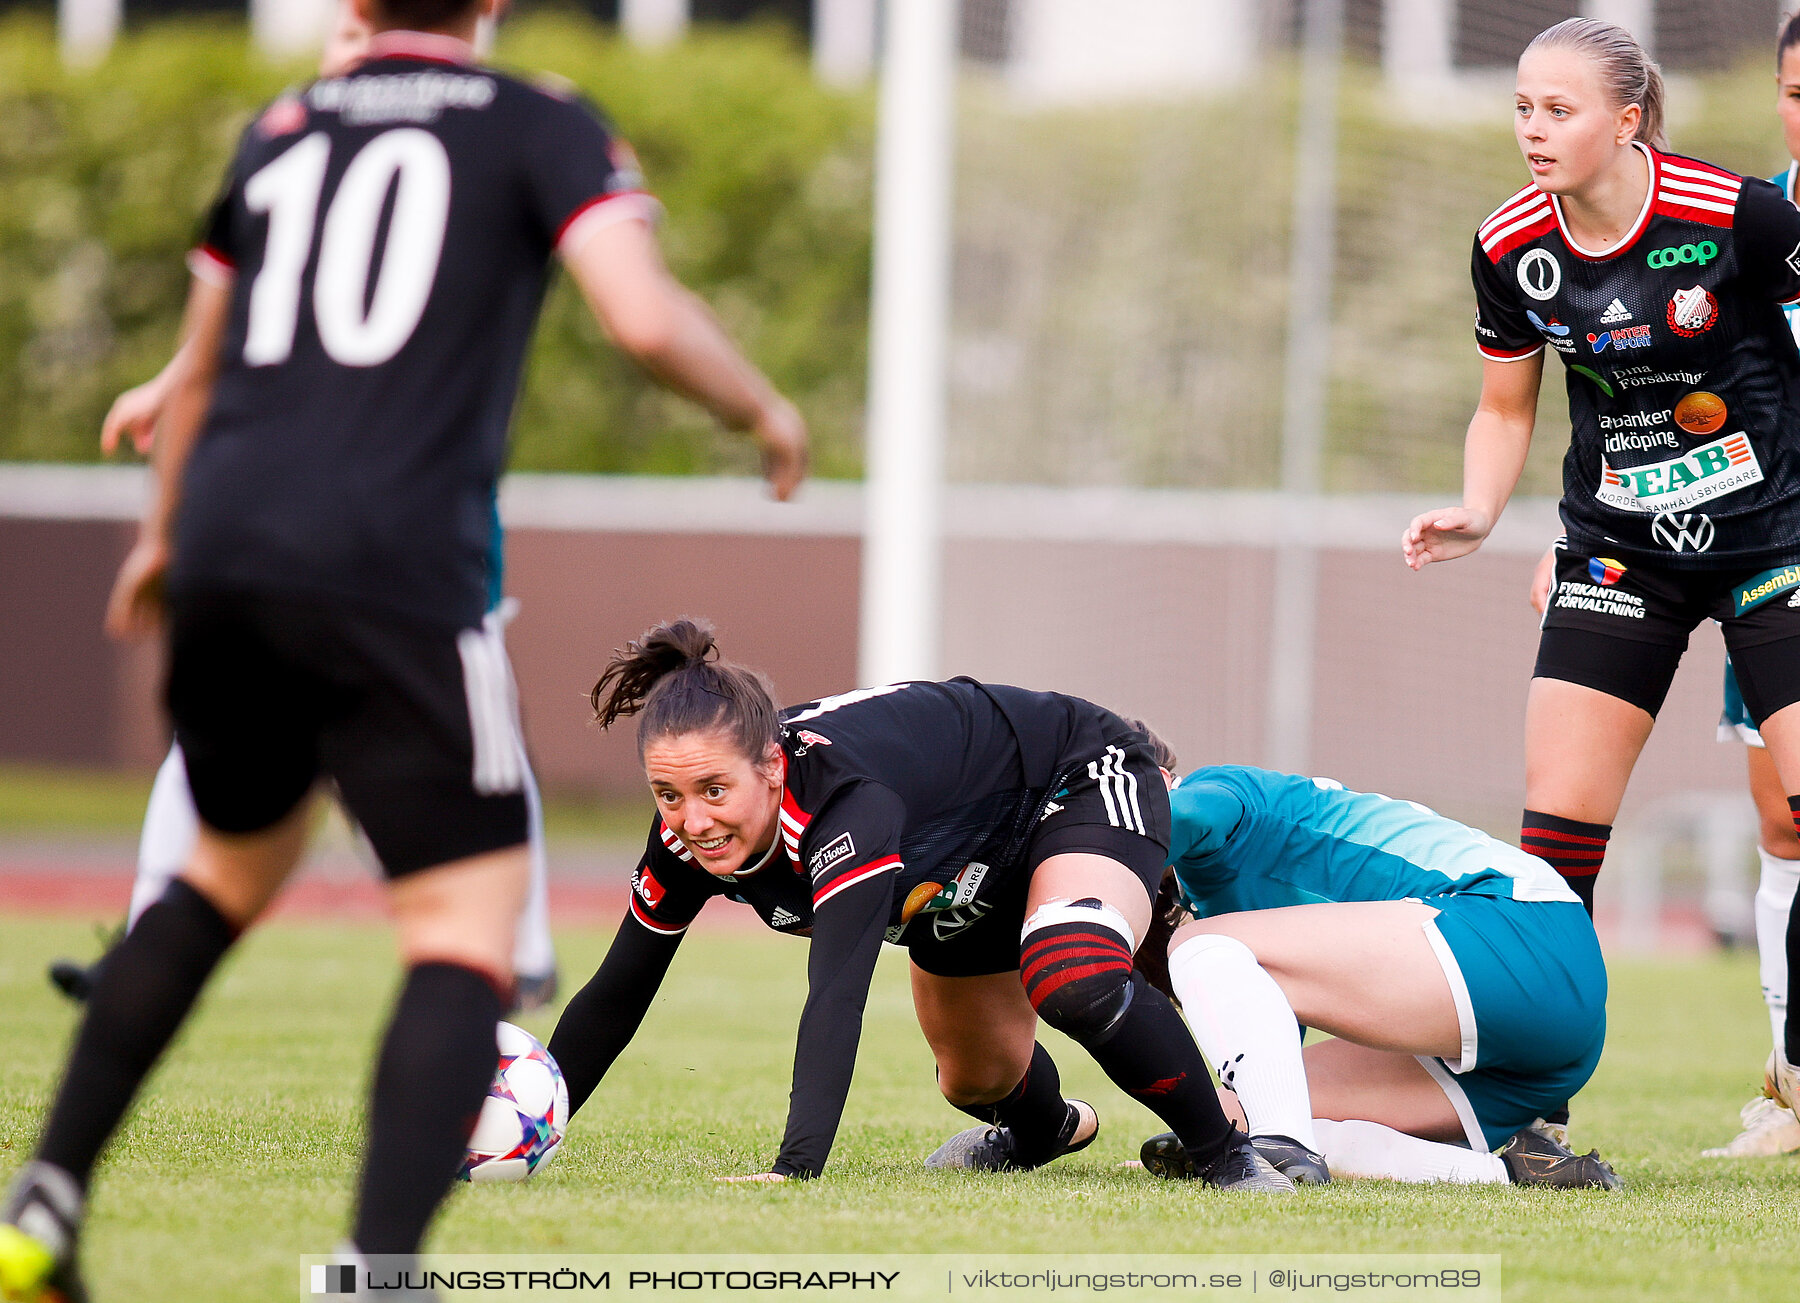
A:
(1683, 379)
(389, 231)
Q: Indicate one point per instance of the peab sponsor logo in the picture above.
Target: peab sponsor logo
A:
(1625, 337)
(1713, 469)
(835, 851)
(1759, 589)
(1675, 255)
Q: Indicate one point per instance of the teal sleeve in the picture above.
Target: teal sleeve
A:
(1204, 817)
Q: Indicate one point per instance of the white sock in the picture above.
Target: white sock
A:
(1357, 1148)
(1248, 1032)
(171, 830)
(534, 955)
(1774, 896)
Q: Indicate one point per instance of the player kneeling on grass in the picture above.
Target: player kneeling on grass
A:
(1460, 976)
(1010, 840)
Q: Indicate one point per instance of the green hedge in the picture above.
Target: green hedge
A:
(766, 177)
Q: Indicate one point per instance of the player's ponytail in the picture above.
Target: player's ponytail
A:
(673, 680)
(1627, 74)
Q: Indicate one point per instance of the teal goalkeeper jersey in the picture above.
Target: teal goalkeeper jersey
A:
(1248, 838)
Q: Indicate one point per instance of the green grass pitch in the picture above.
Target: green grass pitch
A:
(242, 1154)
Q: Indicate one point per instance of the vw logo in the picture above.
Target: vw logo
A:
(1691, 532)
(1540, 274)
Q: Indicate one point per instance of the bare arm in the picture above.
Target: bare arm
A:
(1493, 458)
(135, 605)
(675, 337)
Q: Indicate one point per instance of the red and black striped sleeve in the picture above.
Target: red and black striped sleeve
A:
(1503, 333)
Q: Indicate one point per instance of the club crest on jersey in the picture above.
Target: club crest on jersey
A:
(1692, 311)
(1716, 468)
(1621, 339)
(1691, 532)
(1540, 274)
(835, 851)
(1604, 571)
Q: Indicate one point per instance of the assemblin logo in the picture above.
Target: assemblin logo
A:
(1770, 583)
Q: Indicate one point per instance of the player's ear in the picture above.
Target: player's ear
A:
(771, 767)
(1629, 117)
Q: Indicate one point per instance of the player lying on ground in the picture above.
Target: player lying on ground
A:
(1659, 280)
(171, 824)
(1010, 840)
(1460, 976)
(324, 477)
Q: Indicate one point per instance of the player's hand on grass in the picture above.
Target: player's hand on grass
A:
(134, 413)
(753, 1178)
(1443, 535)
(780, 432)
(135, 607)
(1541, 577)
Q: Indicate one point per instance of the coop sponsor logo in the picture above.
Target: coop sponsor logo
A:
(1573, 596)
(1675, 255)
(1709, 471)
(835, 851)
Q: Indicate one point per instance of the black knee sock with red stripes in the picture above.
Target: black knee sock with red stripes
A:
(1035, 1112)
(1575, 849)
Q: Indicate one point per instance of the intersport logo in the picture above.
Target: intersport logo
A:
(1675, 255)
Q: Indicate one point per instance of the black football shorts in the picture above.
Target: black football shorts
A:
(1109, 800)
(1620, 628)
(416, 726)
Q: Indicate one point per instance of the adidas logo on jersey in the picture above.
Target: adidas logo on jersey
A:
(783, 917)
(1615, 311)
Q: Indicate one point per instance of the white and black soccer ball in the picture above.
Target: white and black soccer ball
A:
(525, 1115)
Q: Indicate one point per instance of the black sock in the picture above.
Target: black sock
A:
(436, 1062)
(149, 982)
(1575, 849)
(1150, 1055)
(1035, 1112)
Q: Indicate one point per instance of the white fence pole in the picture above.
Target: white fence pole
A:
(1418, 41)
(1305, 382)
(915, 148)
(843, 41)
(86, 29)
(286, 29)
(653, 23)
(1636, 16)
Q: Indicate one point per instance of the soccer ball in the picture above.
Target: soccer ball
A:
(525, 1115)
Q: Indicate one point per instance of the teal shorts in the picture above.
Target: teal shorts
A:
(1530, 990)
(1735, 724)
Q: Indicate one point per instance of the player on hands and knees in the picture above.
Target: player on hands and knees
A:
(325, 472)
(1659, 279)
(1460, 976)
(1009, 839)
